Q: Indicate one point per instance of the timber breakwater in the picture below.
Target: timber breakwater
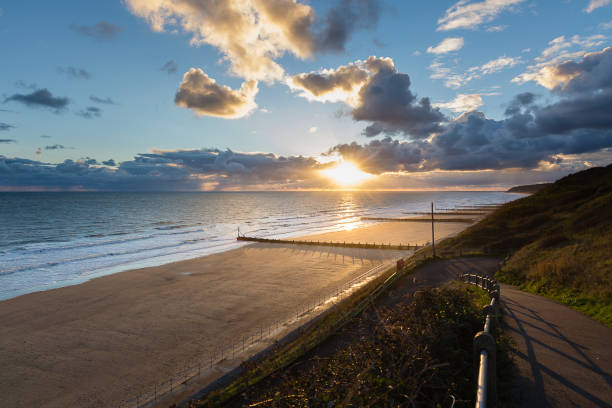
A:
(364, 245)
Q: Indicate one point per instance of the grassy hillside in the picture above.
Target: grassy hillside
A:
(559, 239)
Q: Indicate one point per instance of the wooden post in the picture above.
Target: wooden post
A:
(433, 242)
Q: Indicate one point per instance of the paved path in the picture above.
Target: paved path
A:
(564, 358)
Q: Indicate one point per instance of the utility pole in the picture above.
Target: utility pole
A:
(433, 242)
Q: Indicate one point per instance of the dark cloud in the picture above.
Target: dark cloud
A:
(100, 31)
(104, 101)
(55, 147)
(38, 151)
(346, 78)
(343, 19)
(377, 93)
(8, 141)
(175, 170)
(74, 72)
(170, 67)
(379, 156)
(386, 100)
(5, 127)
(109, 162)
(40, 98)
(45, 136)
(592, 73)
(204, 96)
(90, 112)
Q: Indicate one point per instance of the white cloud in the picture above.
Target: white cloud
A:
(456, 80)
(253, 34)
(447, 45)
(559, 49)
(466, 14)
(496, 65)
(313, 129)
(497, 28)
(606, 26)
(462, 103)
(595, 4)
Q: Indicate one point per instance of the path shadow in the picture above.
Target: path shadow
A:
(522, 318)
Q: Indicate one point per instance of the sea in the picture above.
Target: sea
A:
(49, 240)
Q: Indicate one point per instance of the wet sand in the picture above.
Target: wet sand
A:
(100, 342)
(394, 233)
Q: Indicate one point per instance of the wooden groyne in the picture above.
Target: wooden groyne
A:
(381, 245)
(467, 220)
(473, 212)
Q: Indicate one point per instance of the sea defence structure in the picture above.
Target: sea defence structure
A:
(373, 245)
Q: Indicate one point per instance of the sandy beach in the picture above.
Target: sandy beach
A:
(100, 342)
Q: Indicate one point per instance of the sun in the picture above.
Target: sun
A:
(346, 174)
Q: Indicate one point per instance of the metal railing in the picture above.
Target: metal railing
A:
(484, 346)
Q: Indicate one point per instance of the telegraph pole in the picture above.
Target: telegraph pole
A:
(433, 242)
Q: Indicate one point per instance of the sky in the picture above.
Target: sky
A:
(275, 94)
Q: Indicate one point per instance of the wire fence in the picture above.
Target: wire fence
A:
(248, 343)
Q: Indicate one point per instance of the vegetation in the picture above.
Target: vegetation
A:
(415, 353)
(559, 242)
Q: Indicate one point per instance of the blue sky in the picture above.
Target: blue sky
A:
(479, 54)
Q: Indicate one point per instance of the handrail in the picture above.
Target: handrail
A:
(481, 392)
(484, 343)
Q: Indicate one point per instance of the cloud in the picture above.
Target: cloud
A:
(606, 25)
(456, 80)
(38, 151)
(109, 162)
(100, 31)
(339, 85)
(471, 14)
(377, 93)
(40, 98)
(55, 147)
(45, 136)
(252, 34)
(447, 45)
(595, 4)
(497, 28)
(165, 170)
(103, 101)
(559, 50)
(204, 96)
(90, 112)
(462, 103)
(313, 129)
(5, 127)
(8, 141)
(170, 67)
(79, 73)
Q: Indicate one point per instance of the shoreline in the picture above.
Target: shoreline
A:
(131, 329)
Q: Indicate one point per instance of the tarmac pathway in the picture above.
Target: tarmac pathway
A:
(564, 358)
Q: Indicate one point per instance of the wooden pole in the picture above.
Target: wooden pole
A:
(433, 242)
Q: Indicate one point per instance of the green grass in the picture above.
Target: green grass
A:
(559, 241)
